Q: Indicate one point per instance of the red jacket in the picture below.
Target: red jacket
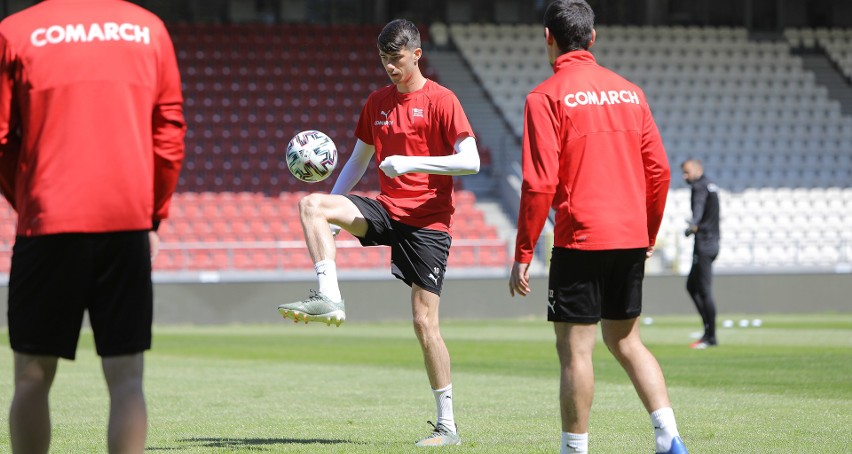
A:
(592, 152)
(91, 118)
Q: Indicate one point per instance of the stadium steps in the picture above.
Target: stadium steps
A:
(495, 133)
(827, 74)
(489, 125)
(496, 215)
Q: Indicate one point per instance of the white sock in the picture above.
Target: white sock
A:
(444, 402)
(327, 275)
(574, 443)
(665, 428)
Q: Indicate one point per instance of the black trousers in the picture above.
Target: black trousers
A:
(699, 284)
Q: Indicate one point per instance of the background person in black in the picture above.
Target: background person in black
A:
(705, 226)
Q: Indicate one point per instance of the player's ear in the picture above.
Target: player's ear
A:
(417, 54)
(548, 37)
(592, 41)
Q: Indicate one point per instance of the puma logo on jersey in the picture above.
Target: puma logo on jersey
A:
(384, 122)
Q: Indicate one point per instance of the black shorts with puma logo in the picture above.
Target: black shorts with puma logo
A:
(418, 255)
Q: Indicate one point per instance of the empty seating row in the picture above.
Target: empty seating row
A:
(251, 231)
(704, 35)
(813, 227)
(280, 257)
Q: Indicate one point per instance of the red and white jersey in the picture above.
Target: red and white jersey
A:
(426, 122)
(91, 118)
(592, 152)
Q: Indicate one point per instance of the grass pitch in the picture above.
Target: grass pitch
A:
(361, 388)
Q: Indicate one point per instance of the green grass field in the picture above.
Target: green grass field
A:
(783, 387)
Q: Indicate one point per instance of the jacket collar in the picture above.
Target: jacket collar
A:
(572, 58)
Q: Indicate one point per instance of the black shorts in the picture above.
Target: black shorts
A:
(55, 278)
(418, 255)
(585, 286)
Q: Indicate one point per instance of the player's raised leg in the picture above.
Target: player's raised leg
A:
(623, 341)
(318, 212)
(424, 307)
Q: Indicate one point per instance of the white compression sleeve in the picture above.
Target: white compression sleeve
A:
(354, 168)
(464, 161)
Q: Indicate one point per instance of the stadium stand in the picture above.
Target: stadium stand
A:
(768, 229)
(229, 231)
(768, 133)
(837, 43)
(246, 231)
(248, 89)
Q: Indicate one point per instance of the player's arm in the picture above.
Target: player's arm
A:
(354, 168)
(699, 202)
(657, 175)
(10, 142)
(464, 161)
(541, 176)
(169, 129)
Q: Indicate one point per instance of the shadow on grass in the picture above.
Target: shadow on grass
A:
(215, 442)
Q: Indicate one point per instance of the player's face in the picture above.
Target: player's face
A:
(401, 66)
(691, 172)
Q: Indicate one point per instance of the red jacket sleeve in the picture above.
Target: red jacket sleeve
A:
(657, 174)
(541, 172)
(169, 129)
(10, 142)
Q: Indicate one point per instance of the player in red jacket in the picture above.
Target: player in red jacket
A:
(420, 137)
(91, 144)
(592, 152)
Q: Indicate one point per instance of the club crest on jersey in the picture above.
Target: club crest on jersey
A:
(415, 112)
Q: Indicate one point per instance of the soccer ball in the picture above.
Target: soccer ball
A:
(311, 156)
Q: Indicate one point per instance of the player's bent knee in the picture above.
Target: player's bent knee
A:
(310, 205)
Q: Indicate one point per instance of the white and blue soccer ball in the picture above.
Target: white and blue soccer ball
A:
(311, 156)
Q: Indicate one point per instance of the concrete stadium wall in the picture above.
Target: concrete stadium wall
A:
(388, 299)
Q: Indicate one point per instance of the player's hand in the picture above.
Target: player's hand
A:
(519, 280)
(154, 240)
(393, 166)
(690, 230)
(649, 252)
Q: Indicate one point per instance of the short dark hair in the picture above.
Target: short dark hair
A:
(399, 34)
(692, 160)
(571, 23)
